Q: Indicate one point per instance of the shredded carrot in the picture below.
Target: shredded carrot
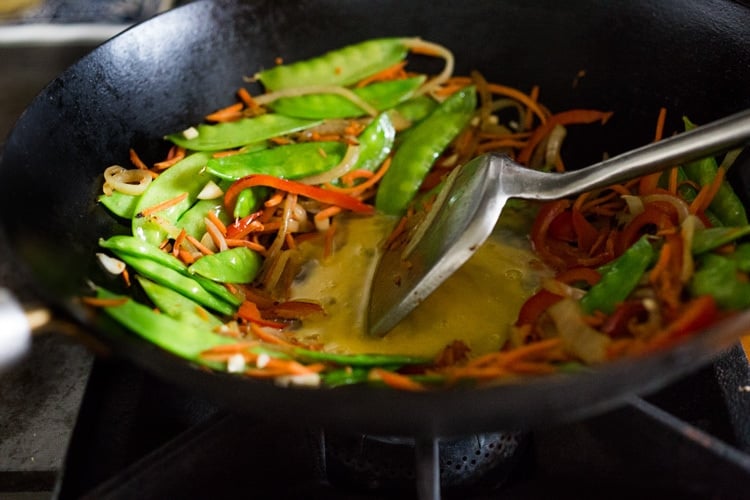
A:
(176, 154)
(163, 205)
(136, 160)
(528, 119)
(328, 244)
(252, 245)
(265, 336)
(247, 99)
(396, 380)
(570, 117)
(707, 193)
(200, 246)
(217, 222)
(229, 113)
(390, 73)
(364, 186)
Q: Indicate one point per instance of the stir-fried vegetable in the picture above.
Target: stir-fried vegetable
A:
(224, 226)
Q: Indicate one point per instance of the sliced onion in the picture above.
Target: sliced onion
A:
(318, 89)
(579, 338)
(439, 51)
(110, 264)
(345, 165)
(554, 144)
(682, 208)
(635, 204)
(210, 191)
(133, 181)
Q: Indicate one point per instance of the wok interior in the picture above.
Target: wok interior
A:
(166, 74)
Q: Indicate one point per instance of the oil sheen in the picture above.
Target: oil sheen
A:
(477, 304)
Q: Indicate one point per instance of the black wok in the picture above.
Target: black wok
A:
(630, 57)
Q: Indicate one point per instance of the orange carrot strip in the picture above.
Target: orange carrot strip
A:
(252, 245)
(263, 335)
(570, 117)
(396, 380)
(217, 222)
(136, 160)
(519, 96)
(246, 98)
(200, 246)
(707, 193)
(162, 206)
(228, 113)
(390, 73)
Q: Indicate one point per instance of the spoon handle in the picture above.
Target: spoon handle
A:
(700, 142)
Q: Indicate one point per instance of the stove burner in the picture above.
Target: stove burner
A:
(381, 463)
(137, 437)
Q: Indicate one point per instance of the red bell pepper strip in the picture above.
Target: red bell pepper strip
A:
(323, 195)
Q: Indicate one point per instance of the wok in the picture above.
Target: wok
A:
(163, 75)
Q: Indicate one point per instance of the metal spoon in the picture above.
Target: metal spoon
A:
(473, 198)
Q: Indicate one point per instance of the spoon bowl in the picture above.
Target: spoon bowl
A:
(472, 199)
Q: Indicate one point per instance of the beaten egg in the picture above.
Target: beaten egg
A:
(477, 305)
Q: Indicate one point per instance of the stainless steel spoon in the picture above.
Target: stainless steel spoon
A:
(473, 198)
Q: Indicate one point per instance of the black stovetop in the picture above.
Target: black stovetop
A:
(137, 437)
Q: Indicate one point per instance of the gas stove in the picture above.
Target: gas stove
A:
(139, 437)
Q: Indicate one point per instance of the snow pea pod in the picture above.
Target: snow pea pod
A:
(130, 245)
(619, 278)
(380, 95)
(718, 276)
(726, 205)
(122, 245)
(417, 108)
(236, 265)
(177, 337)
(178, 306)
(120, 204)
(178, 282)
(710, 238)
(193, 220)
(342, 66)
(375, 143)
(187, 176)
(242, 132)
(418, 152)
(291, 161)
(359, 359)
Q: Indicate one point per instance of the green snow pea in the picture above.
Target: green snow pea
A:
(726, 205)
(120, 204)
(187, 176)
(177, 281)
(122, 245)
(619, 278)
(236, 265)
(417, 153)
(342, 66)
(130, 245)
(177, 337)
(241, 132)
(741, 257)
(718, 276)
(710, 238)
(193, 220)
(345, 376)
(379, 95)
(375, 143)
(178, 306)
(358, 359)
(248, 201)
(417, 108)
(291, 161)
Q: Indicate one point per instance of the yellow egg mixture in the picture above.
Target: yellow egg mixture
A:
(477, 304)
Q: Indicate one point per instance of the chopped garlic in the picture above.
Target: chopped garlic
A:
(304, 380)
(236, 363)
(262, 360)
(190, 133)
(110, 264)
(210, 191)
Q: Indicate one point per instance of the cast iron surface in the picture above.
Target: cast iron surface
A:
(691, 57)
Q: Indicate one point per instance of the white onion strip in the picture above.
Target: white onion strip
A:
(344, 166)
(439, 51)
(344, 92)
(133, 182)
